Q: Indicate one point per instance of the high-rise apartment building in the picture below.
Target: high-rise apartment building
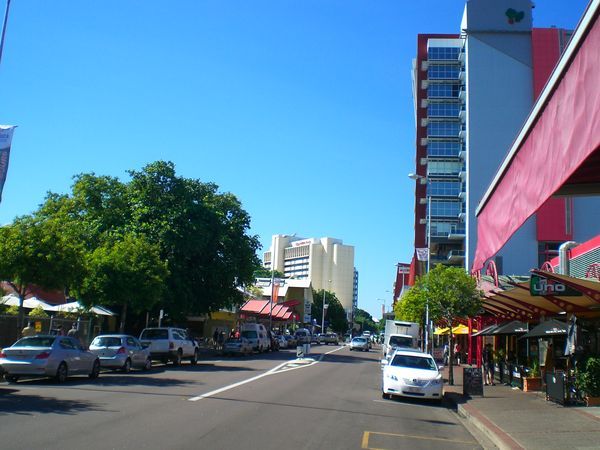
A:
(473, 91)
(326, 262)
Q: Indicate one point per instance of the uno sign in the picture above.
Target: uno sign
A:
(540, 286)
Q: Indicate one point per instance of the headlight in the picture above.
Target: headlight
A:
(437, 382)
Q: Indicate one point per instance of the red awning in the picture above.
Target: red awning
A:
(254, 306)
(558, 149)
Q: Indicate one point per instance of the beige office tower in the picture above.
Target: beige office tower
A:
(326, 262)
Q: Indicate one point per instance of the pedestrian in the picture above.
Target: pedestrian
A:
(73, 332)
(488, 365)
(215, 338)
(446, 353)
(60, 331)
(29, 330)
(457, 355)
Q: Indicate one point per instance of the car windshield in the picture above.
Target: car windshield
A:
(106, 341)
(400, 341)
(35, 341)
(414, 362)
(155, 333)
(288, 338)
(359, 340)
(249, 334)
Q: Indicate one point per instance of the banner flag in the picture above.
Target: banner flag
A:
(422, 254)
(6, 133)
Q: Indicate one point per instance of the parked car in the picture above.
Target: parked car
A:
(359, 343)
(121, 351)
(411, 374)
(56, 357)
(283, 343)
(315, 338)
(329, 338)
(303, 336)
(256, 333)
(237, 346)
(291, 340)
(170, 344)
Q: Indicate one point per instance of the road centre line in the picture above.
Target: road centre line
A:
(272, 371)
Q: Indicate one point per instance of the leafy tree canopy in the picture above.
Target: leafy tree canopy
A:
(335, 314)
(365, 320)
(263, 272)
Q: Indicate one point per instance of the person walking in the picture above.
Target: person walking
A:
(488, 365)
(73, 332)
(29, 330)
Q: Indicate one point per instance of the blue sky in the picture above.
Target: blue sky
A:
(303, 109)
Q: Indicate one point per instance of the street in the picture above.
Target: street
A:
(270, 401)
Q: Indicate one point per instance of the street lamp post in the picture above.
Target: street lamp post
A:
(414, 176)
(324, 311)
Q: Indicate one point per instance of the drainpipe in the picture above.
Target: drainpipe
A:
(563, 257)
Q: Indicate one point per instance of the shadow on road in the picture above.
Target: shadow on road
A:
(34, 404)
(345, 411)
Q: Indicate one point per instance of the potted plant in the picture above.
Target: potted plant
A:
(533, 381)
(588, 381)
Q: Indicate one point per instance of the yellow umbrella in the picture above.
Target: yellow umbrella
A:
(441, 331)
(462, 329)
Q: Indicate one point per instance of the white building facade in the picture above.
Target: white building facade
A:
(326, 262)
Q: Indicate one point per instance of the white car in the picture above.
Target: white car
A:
(172, 344)
(359, 343)
(412, 374)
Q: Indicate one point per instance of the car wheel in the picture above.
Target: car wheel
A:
(96, 370)
(164, 361)
(194, 359)
(62, 373)
(11, 378)
(127, 366)
(385, 396)
(177, 359)
(148, 364)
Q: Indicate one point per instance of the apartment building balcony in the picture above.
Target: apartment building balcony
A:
(457, 234)
(456, 256)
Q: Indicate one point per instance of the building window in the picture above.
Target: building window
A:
(445, 208)
(439, 148)
(443, 188)
(443, 72)
(443, 90)
(443, 53)
(443, 129)
(444, 168)
(547, 251)
(443, 109)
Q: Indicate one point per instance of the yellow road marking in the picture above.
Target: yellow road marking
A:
(367, 434)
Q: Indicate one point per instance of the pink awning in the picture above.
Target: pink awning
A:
(558, 150)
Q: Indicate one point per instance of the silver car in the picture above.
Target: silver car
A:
(48, 356)
(359, 343)
(121, 351)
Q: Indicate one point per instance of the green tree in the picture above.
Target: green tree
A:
(127, 273)
(36, 252)
(335, 313)
(450, 293)
(365, 320)
(263, 272)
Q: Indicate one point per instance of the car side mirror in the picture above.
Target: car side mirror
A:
(440, 367)
(145, 345)
(384, 362)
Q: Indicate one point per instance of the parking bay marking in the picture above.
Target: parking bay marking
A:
(367, 435)
(275, 370)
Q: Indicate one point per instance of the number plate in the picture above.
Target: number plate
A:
(413, 389)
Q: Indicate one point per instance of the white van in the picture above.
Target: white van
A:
(257, 335)
(303, 336)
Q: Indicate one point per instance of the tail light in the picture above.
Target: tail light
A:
(171, 345)
(43, 355)
(2, 355)
(121, 351)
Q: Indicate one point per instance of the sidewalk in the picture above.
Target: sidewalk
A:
(513, 419)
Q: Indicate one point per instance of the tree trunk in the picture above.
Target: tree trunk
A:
(451, 359)
(21, 316)
(123, 318)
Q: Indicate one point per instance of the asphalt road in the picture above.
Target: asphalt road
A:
(271, 401)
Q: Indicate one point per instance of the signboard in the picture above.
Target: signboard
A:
(307, 311)
(540, 286)
(472, 381)
(38, 326)
(302, 242)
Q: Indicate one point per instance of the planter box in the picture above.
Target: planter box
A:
(532, 384)
(592, 401)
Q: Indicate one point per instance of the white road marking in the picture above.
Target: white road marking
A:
(274, 370)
